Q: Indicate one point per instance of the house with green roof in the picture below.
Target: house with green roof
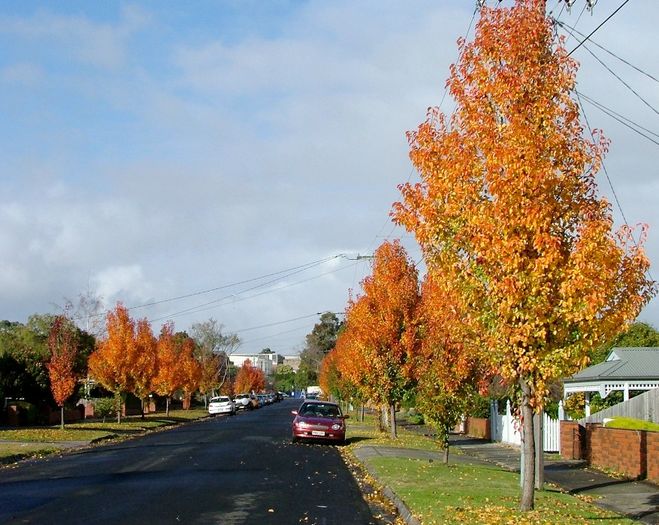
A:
(625, 369)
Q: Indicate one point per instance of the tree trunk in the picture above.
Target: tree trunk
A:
(383, 424)
(362, 411)
(392, 418)
(142, 405)
(118, 400)
(167, 407)
(528, 444)
(446, 444)
(61, 413)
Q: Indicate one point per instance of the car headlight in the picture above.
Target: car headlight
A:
(336, 426)
(302, 424)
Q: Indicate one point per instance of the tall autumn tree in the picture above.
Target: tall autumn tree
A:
(63, 347)
(145, 362)
(507, 207)
(191, 370)
(249, 378)
(448, 368)
(169, 377)
(112, 363)
(380, 329)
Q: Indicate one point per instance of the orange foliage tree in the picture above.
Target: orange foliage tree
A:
(507, 208)
(191, 371)
(63, 348)
(112, 363)
(169, 377)
(145, 361)
(379, 338)
(249, 378)
(449, 370)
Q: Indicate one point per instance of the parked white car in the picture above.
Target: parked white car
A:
(244, 401)
(221, 405)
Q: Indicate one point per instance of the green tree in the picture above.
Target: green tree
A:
(284, 378)
(637, 335)
(319, 342)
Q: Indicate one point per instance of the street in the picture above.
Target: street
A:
(224, 470)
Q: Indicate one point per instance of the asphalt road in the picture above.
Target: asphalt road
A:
(224, 470)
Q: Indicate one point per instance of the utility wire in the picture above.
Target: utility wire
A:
(638, 69)
(615, 195)
(276, 323)
(622, 81)
(622, 120)
(213, 304)
(238, 283)
(597, 28)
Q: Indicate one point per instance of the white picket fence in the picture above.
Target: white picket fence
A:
(506, 429)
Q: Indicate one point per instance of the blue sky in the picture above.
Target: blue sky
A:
(155, 149)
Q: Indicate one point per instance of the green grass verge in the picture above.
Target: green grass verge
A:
(366, 433)
(51, 434)
(10, 452)
(93, 430)
(627, 423)
(464, 493)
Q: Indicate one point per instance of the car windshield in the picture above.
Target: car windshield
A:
(319, 410)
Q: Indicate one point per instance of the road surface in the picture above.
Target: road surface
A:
(225, 470)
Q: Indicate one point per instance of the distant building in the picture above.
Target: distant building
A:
(266, 362)
(293, 361)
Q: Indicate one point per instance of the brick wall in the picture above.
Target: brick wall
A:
(478, 427)
(632, 453)
(572, 440)
(652, 455)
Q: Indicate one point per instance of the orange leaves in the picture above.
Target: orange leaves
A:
(249, 379)
(131, 359)
(62, 344)
(507, 209)
(375, 349)
(112, 363)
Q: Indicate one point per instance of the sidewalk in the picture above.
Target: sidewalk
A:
(638, 500)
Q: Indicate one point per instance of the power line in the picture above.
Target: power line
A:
(621, 80)
(213, 304)
(238, 283)
(624, 61)
(622, 119)
(606, 173)
(276, 323)
(597, 28)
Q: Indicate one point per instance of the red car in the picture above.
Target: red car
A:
(320, 420)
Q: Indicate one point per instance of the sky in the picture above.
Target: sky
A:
(233, 159)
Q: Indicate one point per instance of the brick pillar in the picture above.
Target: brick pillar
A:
(572, 440)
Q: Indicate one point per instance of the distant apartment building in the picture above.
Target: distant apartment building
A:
(293, 361)
(266, 362)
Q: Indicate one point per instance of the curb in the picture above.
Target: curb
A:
(403, 510)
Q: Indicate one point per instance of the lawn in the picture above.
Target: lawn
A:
(627, 423)
(462, 492)
(367, 433)
(31, 440)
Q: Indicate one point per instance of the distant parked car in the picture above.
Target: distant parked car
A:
(244, 402)
(221, 405)
(319, 420)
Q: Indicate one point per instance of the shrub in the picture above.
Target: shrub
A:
(105, 407)
(415, 419)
